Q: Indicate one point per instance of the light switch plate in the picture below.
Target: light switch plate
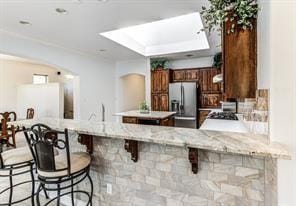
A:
(109, 188)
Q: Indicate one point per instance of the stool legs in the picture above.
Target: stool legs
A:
(59, 194)
(91, 189)
(37, 195)
(72, 192)
(45, 193)
(11, 186)
(33, 185)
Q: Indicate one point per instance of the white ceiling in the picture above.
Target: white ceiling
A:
(168, 36)
(79, 29)
(17, 59)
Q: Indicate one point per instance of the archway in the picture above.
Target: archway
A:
(17, 87)
(131, 91)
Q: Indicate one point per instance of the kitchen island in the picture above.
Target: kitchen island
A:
(151, 118)
(176, 166)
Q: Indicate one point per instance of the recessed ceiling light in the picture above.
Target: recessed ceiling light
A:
(102, 0)
(61, 11)
(25, 22)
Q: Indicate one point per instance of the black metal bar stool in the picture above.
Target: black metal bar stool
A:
(21, 161)
(16, 162)
(61, 172)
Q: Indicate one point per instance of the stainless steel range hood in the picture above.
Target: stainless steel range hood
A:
(218, 78)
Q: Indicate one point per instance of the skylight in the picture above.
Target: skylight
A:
(173, 35)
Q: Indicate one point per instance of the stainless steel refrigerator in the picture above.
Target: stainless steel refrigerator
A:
(183, 100)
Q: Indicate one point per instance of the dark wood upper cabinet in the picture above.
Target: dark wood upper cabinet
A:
(178, 75)
(239, 62)
(164, 81)
(211, 100)
(160, 80)
(192, 75)
(155, 105)
(155, 81)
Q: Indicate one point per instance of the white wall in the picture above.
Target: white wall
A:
(15, 73)
(277, 71)
(132, 90)
(191, 63)
(46, 99)
(138, 66)
(97, 76)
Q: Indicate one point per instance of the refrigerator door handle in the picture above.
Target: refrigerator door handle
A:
(185, 118)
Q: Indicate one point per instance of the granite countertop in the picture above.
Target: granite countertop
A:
(224, 125)
(227, 142)
(151, 114)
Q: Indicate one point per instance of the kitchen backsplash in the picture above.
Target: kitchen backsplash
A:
(256, 112)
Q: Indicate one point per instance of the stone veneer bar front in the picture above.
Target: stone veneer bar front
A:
(233, 168)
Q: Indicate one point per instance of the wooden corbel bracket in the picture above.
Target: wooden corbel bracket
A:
(131, 146)
(86, 140)
(193, 158)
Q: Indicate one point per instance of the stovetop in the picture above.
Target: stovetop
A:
(222, 115)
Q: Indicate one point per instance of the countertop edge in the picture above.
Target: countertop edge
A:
(181, 143)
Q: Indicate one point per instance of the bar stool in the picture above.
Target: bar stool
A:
(21, 161)
(30, 113)
(6, 131)
(61, 172)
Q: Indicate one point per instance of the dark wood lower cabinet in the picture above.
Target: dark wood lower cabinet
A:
(202, 116)
(160, 102)
(130, 120)
(169, 121)
(164, 102)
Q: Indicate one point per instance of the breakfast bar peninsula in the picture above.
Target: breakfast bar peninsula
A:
(157, 165)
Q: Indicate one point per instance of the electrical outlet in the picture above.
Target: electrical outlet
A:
(109, 188)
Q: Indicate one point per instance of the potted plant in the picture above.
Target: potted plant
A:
(159, 64)
(144, 108)
(240, 13)
(217, 63)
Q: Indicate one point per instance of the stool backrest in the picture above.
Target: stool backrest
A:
(30, 113)
(5, 118)
(43, 142)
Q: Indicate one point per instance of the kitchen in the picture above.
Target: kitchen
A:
(189, 128)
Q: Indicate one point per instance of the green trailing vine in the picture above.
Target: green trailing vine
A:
(217, 63)
(160, 63)
(240, 13)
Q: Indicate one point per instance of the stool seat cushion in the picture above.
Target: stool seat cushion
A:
(16, 156)
(79, 161)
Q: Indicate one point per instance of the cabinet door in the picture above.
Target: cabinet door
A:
(129, 120)
(179, 75)
(240, 68)
(210, 100)
(164, 81)
(168, 122)
(155, 81)
(164, 102)
(202, 116)
(155, 102)
(191, 75)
